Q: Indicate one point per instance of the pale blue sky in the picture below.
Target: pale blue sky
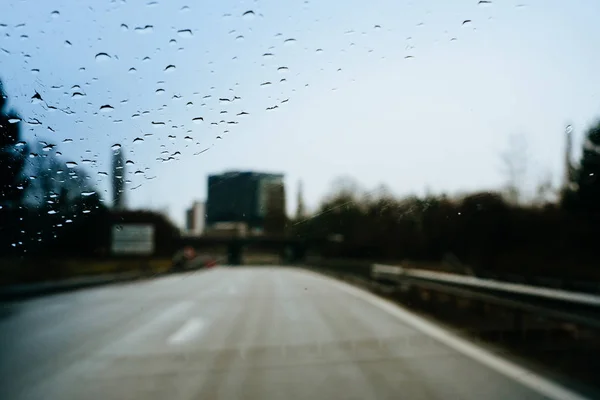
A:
(438, 119)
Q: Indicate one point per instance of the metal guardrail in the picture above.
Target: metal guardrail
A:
(568, 306)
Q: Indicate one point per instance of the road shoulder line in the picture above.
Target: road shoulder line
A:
(507, 368)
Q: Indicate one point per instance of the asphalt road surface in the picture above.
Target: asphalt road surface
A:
(243, 333)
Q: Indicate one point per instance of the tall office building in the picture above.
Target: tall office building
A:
(194, 218)
(244, 197)
(118, 179)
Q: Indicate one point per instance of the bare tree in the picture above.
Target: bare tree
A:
(515, 162)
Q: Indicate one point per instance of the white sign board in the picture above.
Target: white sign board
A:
(132, 239)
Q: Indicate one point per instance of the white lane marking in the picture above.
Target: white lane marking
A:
(507, 368)
(190, 330)
(153, 325)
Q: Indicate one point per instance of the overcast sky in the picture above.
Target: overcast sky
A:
(416, 95)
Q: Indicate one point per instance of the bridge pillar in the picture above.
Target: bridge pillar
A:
(234, 253)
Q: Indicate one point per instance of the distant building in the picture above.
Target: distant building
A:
(194, 218)
(245, 197)
(118, 180)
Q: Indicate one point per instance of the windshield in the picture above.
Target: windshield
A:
(301, 199)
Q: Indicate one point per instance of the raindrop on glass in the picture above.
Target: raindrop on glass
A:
(185, 33)
(197, 120)
(248, 15)
(102, 57)
(115, 146)
(144, 29)
(106, 108)
(169, 68)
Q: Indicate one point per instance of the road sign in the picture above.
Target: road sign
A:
(132, 239)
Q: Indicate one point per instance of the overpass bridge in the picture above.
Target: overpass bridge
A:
(290, 249)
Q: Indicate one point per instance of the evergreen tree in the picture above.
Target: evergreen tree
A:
(588, 175)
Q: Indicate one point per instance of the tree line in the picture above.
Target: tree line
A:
(485, 231)
(43, 199)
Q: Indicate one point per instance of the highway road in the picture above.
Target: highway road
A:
(243, 333)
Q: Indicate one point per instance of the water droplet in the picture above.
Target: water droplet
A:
(14, 120)
(466, 22)
(106, 108)
(71, 164)
(289, 41)
(248, 15)
(189, 104)
(265, 83)
(197, 120)
(36, 98)
(169, 68)
(188, 138)
(124, 27)
(86, 211)
(408, 57)
(282, 69)
(243, 113)
(67, 43)
(55, 14)
(77, 95)
(268, 55)
(115, 146)
(102, 173)
(484, 2)
(132, 70)
(146, 59)
(185, 33)
(319, 50)
(138, 139)
(152, 3)
(102, 57)
(569, 128)
(67, 140)
(35, 70)
(172, 42)
(144, 29)
(52, 212)
(185, 8)
(158, 123)
(160, 91)
(377, 27)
